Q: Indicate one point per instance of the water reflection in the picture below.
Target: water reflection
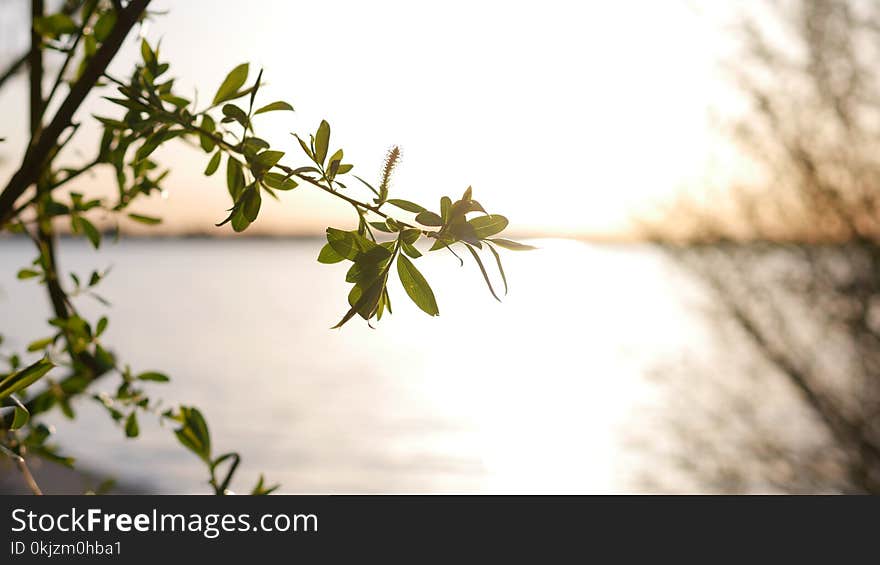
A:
(533, 395)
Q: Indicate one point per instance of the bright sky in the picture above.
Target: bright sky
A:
(567, 117)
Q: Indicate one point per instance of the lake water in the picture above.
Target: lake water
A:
(538, 394)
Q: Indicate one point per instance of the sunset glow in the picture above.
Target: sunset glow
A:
(570, 118)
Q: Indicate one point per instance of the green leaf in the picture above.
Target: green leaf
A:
(382, 227)
(27, 274)
(279, 181)
(104, 359)
(416, 287)
(130, 104)
(482, 270)
(153, 376)
(344, 243)
(56, 24)
(251, 201)
(427, 218)
(234, 178)
(208, 123)
(20, 418)
(461, 230)
(445, 206)
(406, 205)
(253, 145)
(410, 250)
(111, 123)
(462, 207)
(369, 266)
(148, 220)
(254, 89)
(334, 164)
(96, 277)
(89, 229)
(239, 220)
(213, 164)
(364, 302)
(148, 54)
(410, 235)
(39, 344)
(305, 146)
(20, 414)
(337, 156)
(52, 455)
(444, 241)
(234, 112)
(150, 144)
(193, 433)
(102, 325)
(233, 81)
(362, 273)
(25, 377)
(511, 245)
(104, 25)
(260, 489)
(384, 303)
(328, 255)
(500, 267)
(485, 226)
(322, 141)
(267, 159)
(274, 107)
(131, 426)
(178, 102)
(206, 141)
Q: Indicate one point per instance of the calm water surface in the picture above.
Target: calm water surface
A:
(538, 394)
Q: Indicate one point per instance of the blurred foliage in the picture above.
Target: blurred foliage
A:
(792, 261)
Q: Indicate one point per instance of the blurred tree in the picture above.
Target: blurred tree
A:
(793, 262)
(85, 35)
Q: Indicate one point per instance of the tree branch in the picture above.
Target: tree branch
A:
(23, 468)
(28, 477)
(35, 62)
(13, 68)
(17, 64)
(71, 51)
(40, 148)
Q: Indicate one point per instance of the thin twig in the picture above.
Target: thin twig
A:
(230, 148)
(17, 64)
(28, 477)
(13, 68)
(23, 467)
(71, 51)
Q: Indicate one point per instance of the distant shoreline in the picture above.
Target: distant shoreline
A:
(319, 237)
